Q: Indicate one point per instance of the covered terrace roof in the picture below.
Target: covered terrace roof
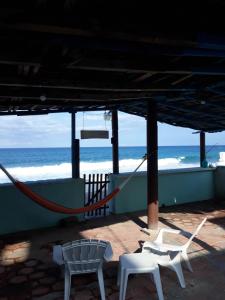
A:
(64, 56)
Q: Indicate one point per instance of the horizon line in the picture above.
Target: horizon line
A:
(129, 146)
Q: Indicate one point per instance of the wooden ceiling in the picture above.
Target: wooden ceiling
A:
(76, 55)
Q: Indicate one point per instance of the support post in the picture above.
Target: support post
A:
(202, 148)
(75, 148)
(115, 142)
(152, 166)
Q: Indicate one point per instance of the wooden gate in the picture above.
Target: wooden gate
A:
(96, 188)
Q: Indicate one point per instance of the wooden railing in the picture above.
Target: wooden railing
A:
(96, 188)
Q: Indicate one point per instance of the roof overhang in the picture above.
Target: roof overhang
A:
(76, 56)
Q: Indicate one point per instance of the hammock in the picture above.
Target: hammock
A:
(52, 206)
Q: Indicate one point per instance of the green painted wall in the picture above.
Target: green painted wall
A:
(17, 212)
(175, 187)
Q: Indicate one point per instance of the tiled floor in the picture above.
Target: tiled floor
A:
(27, 270)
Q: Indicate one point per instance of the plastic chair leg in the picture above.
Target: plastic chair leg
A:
(176, 266)
(158, 284)
(124, 287)
(186, 259)
(67, 286)
(118, 276)
(101, 283)
(122, 271)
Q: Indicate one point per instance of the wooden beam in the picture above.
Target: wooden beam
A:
(152, 166)
(160, 39)
(149, 70)
(13, 62)
(69, 105)
(183, 78)
(196, 111)
(143, 77)
(14, 93)
(69, 86)
(123, 39)
(146, 67)
(210, 103)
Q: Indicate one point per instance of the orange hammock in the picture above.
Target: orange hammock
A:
(60, 208)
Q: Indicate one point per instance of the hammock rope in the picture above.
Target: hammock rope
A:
(52, 206)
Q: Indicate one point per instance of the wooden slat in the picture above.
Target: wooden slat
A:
(92, 192)
(96, 189)
(101, 182)
(105, 191)
(89, 192)
(96, 186)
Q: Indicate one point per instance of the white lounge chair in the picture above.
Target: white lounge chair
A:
(85, 256)
(170, 255)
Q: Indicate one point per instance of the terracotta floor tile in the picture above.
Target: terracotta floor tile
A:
(37, 277)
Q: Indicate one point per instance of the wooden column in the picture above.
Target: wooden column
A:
(115, 142)
(202, 148)
(152, 166)
(75, 148)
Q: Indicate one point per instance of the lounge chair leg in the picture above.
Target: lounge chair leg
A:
(186, 259)
(176, 265)
(158, 284)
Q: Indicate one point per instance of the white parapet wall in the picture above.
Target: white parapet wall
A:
(175, 187)
(18, 212)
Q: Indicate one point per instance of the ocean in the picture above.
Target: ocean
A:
(31, 164)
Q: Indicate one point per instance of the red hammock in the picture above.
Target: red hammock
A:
(60, 208)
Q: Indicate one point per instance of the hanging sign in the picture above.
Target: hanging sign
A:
(94, 134)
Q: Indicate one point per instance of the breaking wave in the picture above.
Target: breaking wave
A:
(63, 170)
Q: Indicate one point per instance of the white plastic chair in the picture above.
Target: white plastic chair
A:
(138, 263)
(170, 255)
(84, 256)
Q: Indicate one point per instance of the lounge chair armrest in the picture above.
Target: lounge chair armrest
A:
(147, 246)
(170, 230)
(159, 238)
(163, 248)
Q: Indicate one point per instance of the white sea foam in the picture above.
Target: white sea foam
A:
(38, 173)
(221, 161)
(64, 170)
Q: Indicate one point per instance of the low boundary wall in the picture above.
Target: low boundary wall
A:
(175, 187)
(18, 212)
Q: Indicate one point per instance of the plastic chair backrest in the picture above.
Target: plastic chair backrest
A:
(195, 233)
(84, 255)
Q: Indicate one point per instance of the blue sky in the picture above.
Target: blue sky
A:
(54, 130)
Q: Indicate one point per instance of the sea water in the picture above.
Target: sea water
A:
(33, 164)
